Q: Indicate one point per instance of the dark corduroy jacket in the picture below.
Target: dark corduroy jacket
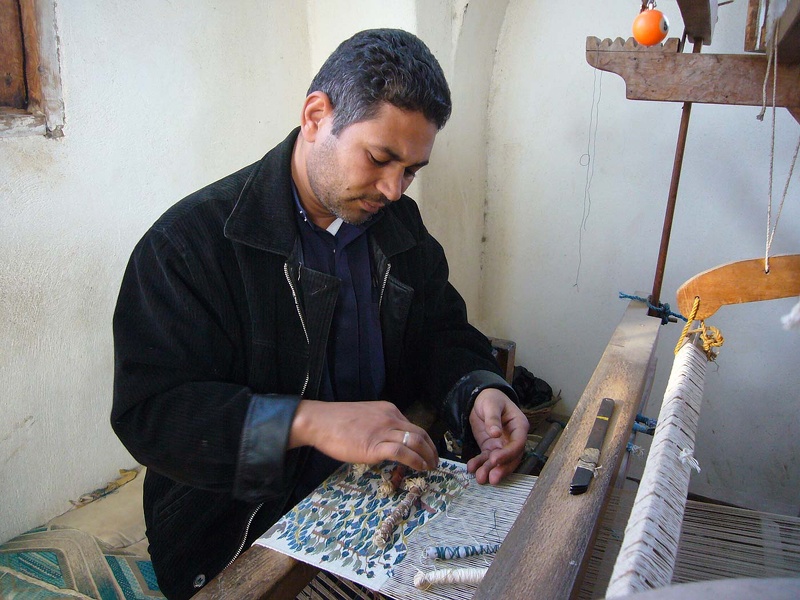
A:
(219, 332)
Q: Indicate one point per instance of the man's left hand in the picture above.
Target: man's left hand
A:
(501, 430)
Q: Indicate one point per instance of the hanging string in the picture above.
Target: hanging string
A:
(774, 56)
(772, 51)
(772, 62)
(587, 160)
(424, 580)
(771, 234)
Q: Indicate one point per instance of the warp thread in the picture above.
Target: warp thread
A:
(451, 552)
(423, 580)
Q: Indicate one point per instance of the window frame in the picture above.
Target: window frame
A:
(44, 114)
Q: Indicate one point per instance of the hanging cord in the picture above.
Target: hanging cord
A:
(587, 160)
(772, 61)
(771, 234)
(772, 53)
(710, 336)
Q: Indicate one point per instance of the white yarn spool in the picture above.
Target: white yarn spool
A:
(424, 580)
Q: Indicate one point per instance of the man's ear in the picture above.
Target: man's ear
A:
(317, 112)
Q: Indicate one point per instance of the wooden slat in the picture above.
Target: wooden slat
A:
(738, 282)
(754, 28)
(259, 574)
(542, 556)
(699, 18)
(505, 352)
(12, 57)
(789, 34)
(29, 19)
(705, 78)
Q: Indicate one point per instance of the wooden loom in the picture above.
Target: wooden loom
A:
(546, 553)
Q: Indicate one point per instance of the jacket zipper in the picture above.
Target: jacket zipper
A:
(383, 285)
(303, 391)
(302, 320)
(246, 533)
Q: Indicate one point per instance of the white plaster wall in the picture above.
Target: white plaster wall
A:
(330, 22)
(464, 37)
(161, 98)
(556, 257)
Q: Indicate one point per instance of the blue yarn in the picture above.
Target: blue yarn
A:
(662, 310)
(640, 418)
(450, 552)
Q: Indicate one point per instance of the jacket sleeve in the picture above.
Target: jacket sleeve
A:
(178, 356)
(459, 360)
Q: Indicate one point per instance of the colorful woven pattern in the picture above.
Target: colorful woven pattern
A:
(44, 564)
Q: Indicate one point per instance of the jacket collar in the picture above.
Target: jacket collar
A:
(263, 216)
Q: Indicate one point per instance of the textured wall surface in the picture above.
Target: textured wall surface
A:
(161, 98)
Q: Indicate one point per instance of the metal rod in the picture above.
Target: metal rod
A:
(671, 199)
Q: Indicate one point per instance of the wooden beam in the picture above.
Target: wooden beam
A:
(543, 554)
(699, 19)
(663, 74)
(789, 34)
(738, 282)
(259, 574)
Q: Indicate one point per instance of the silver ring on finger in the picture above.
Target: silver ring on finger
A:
(406, 437)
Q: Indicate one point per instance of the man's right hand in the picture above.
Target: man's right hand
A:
(362, 432)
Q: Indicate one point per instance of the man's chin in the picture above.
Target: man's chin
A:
(362, 218)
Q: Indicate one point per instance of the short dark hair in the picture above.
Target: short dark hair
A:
(383, 65)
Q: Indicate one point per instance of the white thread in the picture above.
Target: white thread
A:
(686, 457)
(792, 320)
(636, 450)
(424, 580)
(589, 459)
(649, 549)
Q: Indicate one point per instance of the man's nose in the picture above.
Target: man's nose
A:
(392, 184)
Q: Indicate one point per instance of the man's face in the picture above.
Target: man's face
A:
(369, 164)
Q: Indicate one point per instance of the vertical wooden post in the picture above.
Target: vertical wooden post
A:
(672, 197)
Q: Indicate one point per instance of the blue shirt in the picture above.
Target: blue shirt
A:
(354, 367)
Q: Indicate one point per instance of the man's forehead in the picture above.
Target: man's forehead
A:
(401, 135)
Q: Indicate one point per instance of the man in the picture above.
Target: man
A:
(275, 323)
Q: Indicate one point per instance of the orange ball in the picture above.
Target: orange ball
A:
(650, 27)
